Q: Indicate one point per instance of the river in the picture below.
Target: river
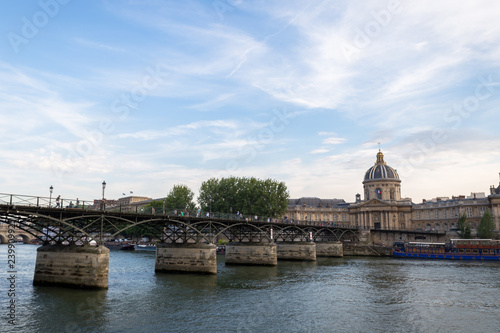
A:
(351, 294)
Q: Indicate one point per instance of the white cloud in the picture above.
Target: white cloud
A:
(319, 151)
(97, 45)
(327, 133)
(390, 70)
(333, 141)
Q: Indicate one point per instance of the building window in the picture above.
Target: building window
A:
(427, 215)
(483, 209)
(344, 217)
(436, 214)
(444, 213)
(468, 211)
(418, 215)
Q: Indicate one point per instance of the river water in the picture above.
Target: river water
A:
(352, 294)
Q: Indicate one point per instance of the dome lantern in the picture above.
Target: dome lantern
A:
(380, 158)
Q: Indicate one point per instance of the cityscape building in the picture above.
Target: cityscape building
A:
(383, 207)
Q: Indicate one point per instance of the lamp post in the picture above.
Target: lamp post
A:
(103, 188)
(51, 189)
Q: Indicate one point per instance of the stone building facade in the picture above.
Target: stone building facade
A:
(130, 203)
(382, 206)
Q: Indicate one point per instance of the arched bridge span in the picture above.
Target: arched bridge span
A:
(80, 226)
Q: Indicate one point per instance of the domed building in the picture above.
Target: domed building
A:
(382, 207)
(391, 217)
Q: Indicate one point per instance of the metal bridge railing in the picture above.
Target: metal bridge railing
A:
(97, 205)
(48, 202)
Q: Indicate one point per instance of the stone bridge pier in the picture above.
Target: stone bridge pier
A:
(329, 249)
(297, 251)
(251, 253)
(72, 266)
(186, 258)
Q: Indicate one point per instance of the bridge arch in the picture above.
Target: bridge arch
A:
(292, 233)
(245, 231)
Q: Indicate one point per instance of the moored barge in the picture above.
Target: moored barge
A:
(457, 249)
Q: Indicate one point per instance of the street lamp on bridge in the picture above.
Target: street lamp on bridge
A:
(103, 200)
(51, 189)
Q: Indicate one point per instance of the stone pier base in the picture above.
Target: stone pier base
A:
(264, 254)
(186, 258)
(366, 250)
(72, 266)
(297, 251)
(329, 249)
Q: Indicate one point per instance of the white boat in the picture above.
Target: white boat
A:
(145, 247)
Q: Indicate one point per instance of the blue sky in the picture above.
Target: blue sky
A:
(148, 94)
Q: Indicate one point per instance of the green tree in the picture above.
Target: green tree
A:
(464, 227)
(249, 196)
(486, 226)
(180, 197)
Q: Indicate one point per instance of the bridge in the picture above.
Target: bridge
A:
(74, 232)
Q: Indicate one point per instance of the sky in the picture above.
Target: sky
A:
(149, 94)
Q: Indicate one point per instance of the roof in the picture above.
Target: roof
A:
(317, 202)
(381, 170)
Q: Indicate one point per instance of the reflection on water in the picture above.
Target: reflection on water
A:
(330, 295)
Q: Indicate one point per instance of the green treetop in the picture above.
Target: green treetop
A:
(249, 196)
(464, 227)
(180, 197)
(486, 226)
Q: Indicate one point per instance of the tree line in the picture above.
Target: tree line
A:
(485, 229)
(233, 195)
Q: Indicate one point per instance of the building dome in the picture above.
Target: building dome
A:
(381, 170)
